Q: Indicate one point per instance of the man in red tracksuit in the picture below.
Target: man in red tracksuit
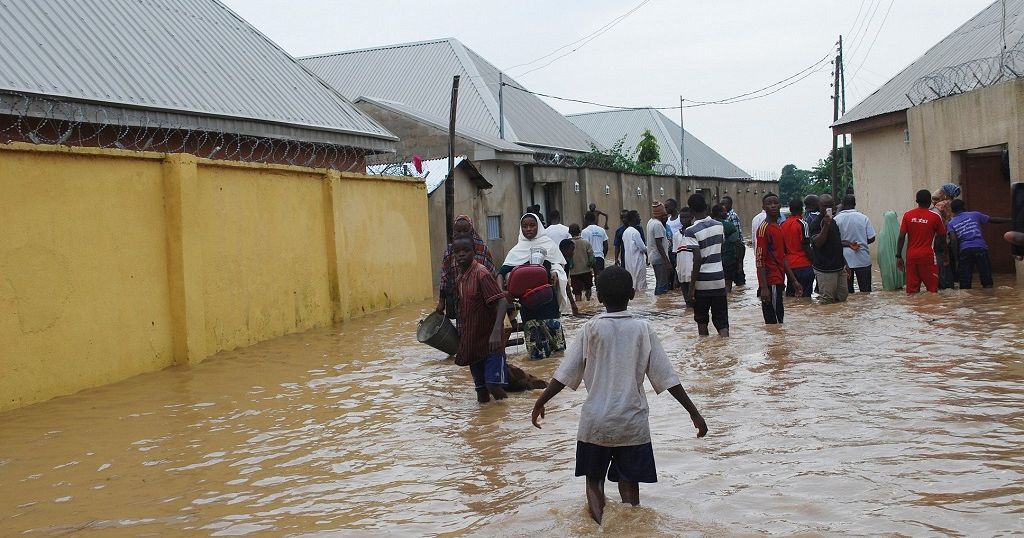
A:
(919, 229)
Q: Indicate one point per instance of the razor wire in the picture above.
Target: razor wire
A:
(968, 76)
(45, 120)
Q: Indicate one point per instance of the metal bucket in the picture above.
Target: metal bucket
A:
(437, 332)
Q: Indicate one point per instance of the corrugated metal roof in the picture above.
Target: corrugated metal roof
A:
(419, 75)
(980, 37)
(610, 126)
(435, 171)
(442, 123)
(193, 57)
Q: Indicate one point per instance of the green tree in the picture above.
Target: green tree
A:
(793, 183)
(647, 153)
(823, 171)
(614, 158)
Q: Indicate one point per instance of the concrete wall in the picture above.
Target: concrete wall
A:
(116, 263)
(888, 170)
(883, 180)
(622, 191)
(981, 118)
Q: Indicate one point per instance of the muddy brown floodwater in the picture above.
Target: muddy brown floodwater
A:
(887, 415)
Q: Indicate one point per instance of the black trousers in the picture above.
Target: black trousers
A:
(863, 275)
(774, 310)
(718, 306)
(971, 258)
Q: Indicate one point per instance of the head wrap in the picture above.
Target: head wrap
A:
(658, 210)
(520, 253)
(472, 227)
(951, 189)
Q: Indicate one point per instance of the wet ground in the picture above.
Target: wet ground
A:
(888, 415)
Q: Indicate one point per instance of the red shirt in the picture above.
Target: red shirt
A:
(794, 231)
(921, 226)
(771, 253)
(478, 292)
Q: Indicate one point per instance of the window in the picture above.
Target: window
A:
(493, 227)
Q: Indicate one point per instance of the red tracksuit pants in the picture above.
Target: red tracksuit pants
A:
(922, 270)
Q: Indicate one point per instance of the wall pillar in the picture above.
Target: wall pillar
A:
(340, 296)
(184, 258)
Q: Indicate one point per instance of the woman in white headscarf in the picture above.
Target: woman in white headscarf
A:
(541, 325)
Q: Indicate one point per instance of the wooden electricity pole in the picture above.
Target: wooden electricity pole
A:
(835, 117)
(449, 182)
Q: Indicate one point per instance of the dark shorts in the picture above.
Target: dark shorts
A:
(581, 283)
(633, 463)
(717, 305)
(490, 371)
(729, 268)
(598, 265)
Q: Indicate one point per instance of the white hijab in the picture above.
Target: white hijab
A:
(520, 253)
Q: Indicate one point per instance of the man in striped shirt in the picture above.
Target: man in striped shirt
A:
(707, 289)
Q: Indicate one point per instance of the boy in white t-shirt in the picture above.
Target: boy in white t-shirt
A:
(612, 355)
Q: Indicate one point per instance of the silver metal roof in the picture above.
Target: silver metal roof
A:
(980, 37)
(183, 57)
(479, 137)
(419, 75)
(610, 126)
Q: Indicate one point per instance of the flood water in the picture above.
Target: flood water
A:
(887, 415)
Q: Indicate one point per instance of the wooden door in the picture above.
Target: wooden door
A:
(987, 189)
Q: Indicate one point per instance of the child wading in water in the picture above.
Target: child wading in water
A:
(612, 354)
(482, 308)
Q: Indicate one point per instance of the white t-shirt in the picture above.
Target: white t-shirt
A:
(674, 225)
(612, 354)
(656, 229)
(855, 226)
(558, 232)
(597, 236)
(684, 256)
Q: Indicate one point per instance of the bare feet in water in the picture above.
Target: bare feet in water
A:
(498, 392)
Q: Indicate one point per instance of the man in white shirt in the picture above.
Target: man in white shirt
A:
(658, 247)
(598, 238)
(857, 233)
(556, 230)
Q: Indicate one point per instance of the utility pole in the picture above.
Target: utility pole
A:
(835, 117)
(842, 107)
(501, 105)
(449, 182)
(682, 140)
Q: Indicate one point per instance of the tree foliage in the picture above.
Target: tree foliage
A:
(795, 182)
(647, 153)
(617, 158)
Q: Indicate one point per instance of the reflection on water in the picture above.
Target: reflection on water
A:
(890, 414)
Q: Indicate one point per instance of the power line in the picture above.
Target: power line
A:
(585, 40)
(749, 96)
(872, 45)
(737, 97)
(855, 47)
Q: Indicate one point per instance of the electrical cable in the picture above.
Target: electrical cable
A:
(872, 45)
(816, 67)
(588, 38)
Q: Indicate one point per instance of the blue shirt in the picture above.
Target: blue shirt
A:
(967, 226)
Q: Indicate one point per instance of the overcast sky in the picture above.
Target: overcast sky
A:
(702, 50)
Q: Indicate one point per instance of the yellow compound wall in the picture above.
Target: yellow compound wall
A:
(115, 263)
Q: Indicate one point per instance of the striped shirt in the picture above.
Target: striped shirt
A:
(732, 216)
(709, 235)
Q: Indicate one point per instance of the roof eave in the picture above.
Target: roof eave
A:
(888, 119)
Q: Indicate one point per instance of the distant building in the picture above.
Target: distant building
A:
(407, 87)
(954, 115)
(610, 126)
(192, 77)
